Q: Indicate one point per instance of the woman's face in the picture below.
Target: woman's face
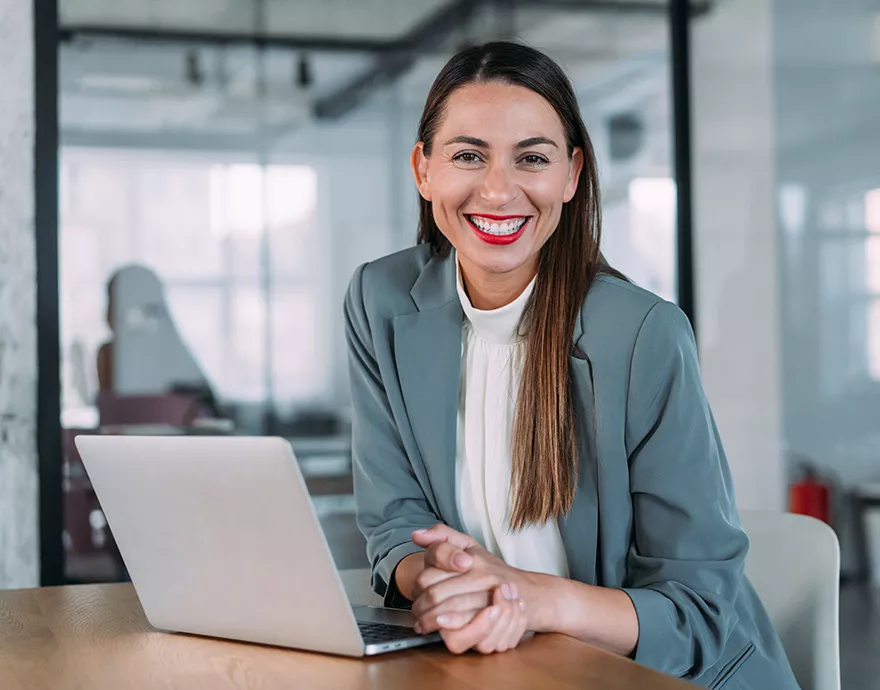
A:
(498, 175)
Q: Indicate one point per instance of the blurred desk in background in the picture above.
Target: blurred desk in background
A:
(325, 461)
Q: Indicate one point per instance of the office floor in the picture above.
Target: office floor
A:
(859, 638)
(859, 607)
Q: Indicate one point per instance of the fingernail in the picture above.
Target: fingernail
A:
(506, 591)
(514, 593)
(419, 531)
(462, 560)
(493, 613)
(442, 620)
(522, 605)
(417, 628)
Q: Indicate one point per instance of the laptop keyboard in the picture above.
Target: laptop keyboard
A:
(377, 633)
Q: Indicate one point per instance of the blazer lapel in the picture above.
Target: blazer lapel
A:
(427, 347)
(580, 527)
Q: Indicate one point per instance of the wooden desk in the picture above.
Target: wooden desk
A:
(96, 637)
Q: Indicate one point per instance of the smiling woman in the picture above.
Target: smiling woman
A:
(532, 446)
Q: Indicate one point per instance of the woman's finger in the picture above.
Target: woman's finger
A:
(466, 583)
(428, 578)
(517, 629)
(441, 532)
(459, 641)
(506, 620)
(453, 620)
(426, 613)
(446, 556)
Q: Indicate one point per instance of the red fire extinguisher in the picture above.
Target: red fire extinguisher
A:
(810, 495)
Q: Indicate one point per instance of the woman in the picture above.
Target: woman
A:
(533, 450)
(146, 354)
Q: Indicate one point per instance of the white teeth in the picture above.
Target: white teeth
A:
(505, 228)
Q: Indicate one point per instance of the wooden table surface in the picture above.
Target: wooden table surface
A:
(96, 637)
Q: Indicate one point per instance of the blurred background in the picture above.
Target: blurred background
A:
(224, 168)
(224, 165)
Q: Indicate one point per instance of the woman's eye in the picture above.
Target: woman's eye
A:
(533, 160)
(466, 157)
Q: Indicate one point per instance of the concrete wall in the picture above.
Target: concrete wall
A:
(737, 285)
(19, 544)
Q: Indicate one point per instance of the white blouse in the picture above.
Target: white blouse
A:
(491, 368)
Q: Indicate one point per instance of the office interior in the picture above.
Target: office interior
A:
(221, 167)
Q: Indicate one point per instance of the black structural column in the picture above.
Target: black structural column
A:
(48, 376)
(679, 19)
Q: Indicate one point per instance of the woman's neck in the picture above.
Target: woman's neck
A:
(487, 291)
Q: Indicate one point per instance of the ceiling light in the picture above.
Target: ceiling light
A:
(304, 73)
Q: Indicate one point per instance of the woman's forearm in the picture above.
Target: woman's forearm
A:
(405, 574)
(601, 616)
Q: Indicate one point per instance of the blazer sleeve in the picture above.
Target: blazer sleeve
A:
(686, 560)
(390, 502)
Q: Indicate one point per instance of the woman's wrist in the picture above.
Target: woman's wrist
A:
(543, 597)
(600, 616)
(405, 574)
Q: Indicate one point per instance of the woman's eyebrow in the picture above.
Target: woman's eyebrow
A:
(524, 144)
(535, 141)
(473, 141)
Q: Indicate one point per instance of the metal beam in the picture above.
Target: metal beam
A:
(427, 35)
(312, 43)
(641, 7)
(610, 6)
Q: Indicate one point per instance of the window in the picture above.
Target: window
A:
(237, 247)
(849, 287)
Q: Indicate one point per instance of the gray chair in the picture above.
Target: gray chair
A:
(794, 565)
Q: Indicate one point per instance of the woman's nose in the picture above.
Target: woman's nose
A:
(497, 184)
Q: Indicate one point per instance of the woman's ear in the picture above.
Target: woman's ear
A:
(419, 162)
(575, 165)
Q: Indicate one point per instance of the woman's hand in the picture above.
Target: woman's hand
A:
(461, 588)
(497, 628)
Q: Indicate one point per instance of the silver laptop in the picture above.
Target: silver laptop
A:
(220, 538)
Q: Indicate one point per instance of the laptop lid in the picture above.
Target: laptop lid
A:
(221, 538)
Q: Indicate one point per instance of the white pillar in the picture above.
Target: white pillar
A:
(737, 286)
(19, 542)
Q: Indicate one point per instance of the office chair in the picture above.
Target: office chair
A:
(794, 565)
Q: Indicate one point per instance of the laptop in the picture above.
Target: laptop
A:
(220, 538)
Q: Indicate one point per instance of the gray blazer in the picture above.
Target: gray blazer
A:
(654, 511)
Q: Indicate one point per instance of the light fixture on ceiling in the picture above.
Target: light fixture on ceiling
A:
(304, 73)
(626, 134)
(195, 75)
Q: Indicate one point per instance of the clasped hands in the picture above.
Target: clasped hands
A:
(474, 599)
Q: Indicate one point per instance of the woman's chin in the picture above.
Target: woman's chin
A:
(495, 258)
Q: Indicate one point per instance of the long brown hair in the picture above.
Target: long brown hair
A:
(545, 449)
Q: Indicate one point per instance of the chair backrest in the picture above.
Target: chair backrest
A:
(168, 409)
(794, 565)
(357, 586)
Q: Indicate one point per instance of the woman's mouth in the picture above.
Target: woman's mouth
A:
(498, 229)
